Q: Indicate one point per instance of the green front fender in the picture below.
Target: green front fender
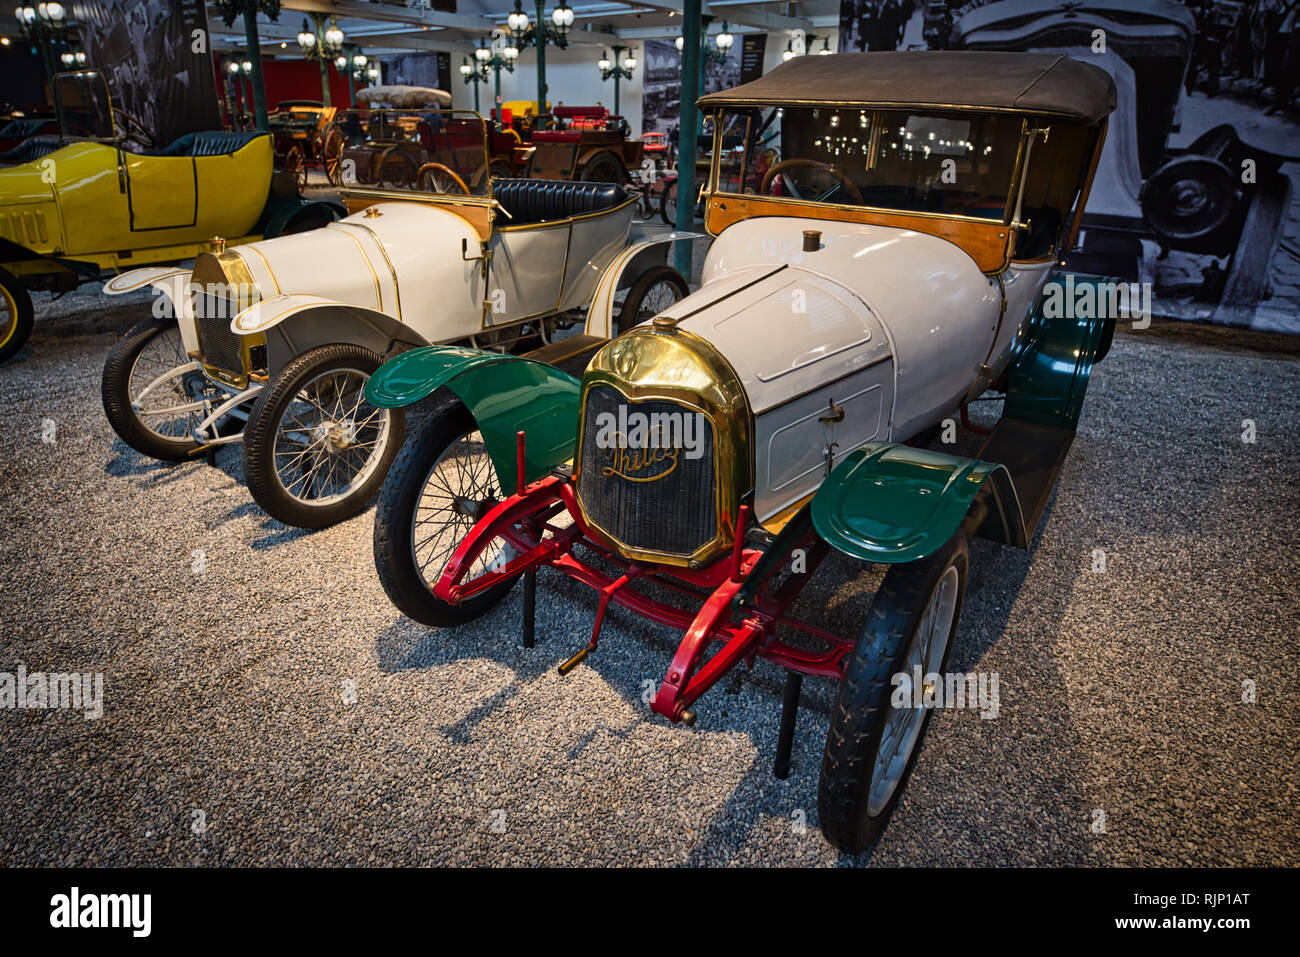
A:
(894, 503)
(506, 394)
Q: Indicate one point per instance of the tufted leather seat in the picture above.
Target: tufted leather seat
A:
(543, 200)
(31, 149)
(218, 143)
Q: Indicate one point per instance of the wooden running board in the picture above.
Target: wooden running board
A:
(567, 349)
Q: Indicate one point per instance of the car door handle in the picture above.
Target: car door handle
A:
(836, 414)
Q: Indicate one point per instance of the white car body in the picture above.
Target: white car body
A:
(900, 326)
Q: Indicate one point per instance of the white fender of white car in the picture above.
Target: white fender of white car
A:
(600, 317)
(169, 282)
(295, 324)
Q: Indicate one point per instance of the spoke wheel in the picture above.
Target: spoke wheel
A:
(15, 315)
(396, 169)
(441, 484)
(872, 745)
(315, 451)
(161, 422)
(655, 290)
(296, 163)
(604, 167)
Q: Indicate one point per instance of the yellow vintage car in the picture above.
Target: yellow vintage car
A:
(74, 209)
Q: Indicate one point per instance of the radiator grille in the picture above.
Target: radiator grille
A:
(667, 504)
(218, 346)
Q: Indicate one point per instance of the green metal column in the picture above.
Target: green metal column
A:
(324, 82)
(688, 118)
(541, 57)
(496, 97)
(318, 21)
(255, 56)
(618, 72)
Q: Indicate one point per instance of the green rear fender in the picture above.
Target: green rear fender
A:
(894, 503)
(1051, 371)
(506, 394)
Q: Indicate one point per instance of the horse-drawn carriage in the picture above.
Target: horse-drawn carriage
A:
(300, 132)
(582, 143)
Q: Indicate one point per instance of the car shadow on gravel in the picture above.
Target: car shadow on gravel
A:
(749, 701)
(277, 533)
(130, 464)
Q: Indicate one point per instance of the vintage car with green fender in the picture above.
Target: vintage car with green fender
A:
(270, 343)
(885, 274)
(76, 209)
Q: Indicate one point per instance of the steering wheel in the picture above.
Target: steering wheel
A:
(439, 178)
(844, 182)
(132, 129)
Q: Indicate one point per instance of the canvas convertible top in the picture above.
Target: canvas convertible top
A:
(1045, 84)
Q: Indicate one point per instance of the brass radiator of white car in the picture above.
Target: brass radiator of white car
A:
(659, 500)
(219, 348)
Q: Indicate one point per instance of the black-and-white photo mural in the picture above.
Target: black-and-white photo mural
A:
(157, 69)
(1196, 193)
(661, 86)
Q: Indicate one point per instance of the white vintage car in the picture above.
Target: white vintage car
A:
(272, 342)
(884, 275)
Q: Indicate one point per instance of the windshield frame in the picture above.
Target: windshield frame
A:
(1015, 188)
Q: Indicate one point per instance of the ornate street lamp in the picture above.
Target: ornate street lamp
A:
(230, 10)
(321, 44)
(352, 65)
(240, 93)
(474, 73)
(618, 70)
(539, 32)
(495, 58)
(722, 44)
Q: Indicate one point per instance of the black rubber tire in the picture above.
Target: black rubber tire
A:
(307, 220)
(863, 702)
(115, 389)
(644, 283)
(20, 310)
(263, 421)
(603, 167)
(668, 204)
(394, 560)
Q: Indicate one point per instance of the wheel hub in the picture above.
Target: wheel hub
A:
(340, 436)
(471, 508)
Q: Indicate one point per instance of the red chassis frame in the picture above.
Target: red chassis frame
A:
(745, 630)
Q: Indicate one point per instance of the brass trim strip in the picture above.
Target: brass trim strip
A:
(266, 262)
(379, 293)
(397, 294)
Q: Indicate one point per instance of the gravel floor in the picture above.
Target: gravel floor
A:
(257, 674)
